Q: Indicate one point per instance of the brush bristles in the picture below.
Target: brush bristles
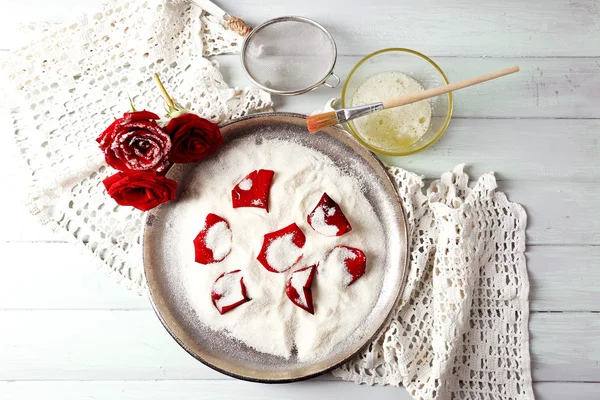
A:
(317, 122)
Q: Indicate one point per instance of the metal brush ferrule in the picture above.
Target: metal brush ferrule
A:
(347, 114)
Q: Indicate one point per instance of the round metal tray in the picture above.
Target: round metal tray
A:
(230, 356)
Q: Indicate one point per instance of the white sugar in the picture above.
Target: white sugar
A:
(270, 322)
(245, 184)
(282, 253)
(297, 281)
(318, 221)
(333, 269)
(229, 288)
(218, 239)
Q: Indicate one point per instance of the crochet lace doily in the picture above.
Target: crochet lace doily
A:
(72, 81)
(460, 330)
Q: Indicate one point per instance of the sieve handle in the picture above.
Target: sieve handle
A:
(337, 81)
(210, 8)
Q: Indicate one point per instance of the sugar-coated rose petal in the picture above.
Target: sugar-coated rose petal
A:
(213, 243)
(282, 249)
(349, 262)
(142, 190)
(298, 288)
(328, 219)
(135, 143)
(253, 190)
(229, 291)
(193, 138)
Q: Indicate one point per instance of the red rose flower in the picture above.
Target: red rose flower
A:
(193, 138)
(142, 190)
(135, 143)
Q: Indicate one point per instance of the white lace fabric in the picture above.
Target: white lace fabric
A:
(72, 81)
(460, 330)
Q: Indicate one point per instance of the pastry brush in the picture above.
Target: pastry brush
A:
(320, 121)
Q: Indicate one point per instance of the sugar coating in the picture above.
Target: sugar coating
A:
(245, 184)
(218, 240)
(297, 281)
(333, 267)
(270, 322)
(282, 253)
(318, 221)
(229, 288)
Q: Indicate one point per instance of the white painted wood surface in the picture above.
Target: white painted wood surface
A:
(70, 333)
(226, 390)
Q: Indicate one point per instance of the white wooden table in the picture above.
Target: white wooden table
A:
(67, 332)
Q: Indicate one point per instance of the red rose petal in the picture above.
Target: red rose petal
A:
(213, 243)
(143, 190)
(282, 249)
(298, 288)
(253, 190)
(352, 260)
(193, 138)
(135, 143)
(328, 219)
(229, 291)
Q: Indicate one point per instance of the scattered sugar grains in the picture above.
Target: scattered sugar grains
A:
(270, 322)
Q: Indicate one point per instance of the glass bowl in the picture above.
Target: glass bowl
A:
(415, 65)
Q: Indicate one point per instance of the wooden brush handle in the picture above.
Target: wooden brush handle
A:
(427, 94)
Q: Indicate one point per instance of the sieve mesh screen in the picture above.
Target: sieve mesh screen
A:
(289, 55)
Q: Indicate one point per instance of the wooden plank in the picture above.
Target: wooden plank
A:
(55, 276)
(131, 345)
(514, 149)
(436, 27)
(474, 28)
(566, 390)
(214, 390)
(565, 346)
(229, 390)
(544, 88)
(558, 213)
(564, 278)
(92, 345)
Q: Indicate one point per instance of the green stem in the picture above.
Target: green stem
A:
(166, 96)
(131, 104)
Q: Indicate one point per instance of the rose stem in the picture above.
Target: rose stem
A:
(132, 106)
(166, 96)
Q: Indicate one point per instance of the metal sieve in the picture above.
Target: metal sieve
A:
(290, 56)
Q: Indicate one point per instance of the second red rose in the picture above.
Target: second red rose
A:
(192, 138)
